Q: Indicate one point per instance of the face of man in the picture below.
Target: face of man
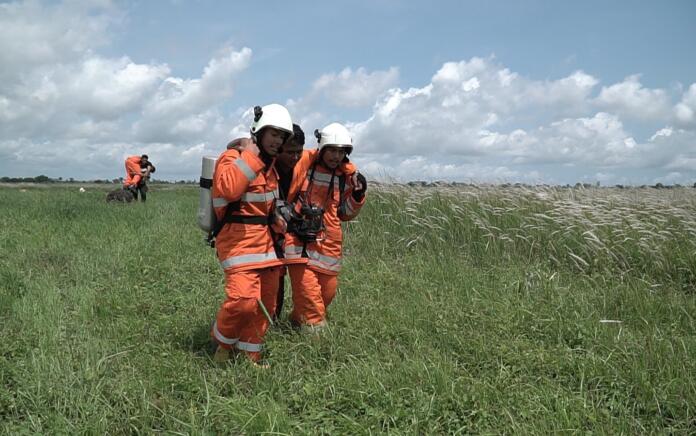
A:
(332, 156)
(287, 159)
(143, 162)
(271, 140)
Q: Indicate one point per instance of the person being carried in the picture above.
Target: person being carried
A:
(326, 190)
(138, 169)
(244, 191)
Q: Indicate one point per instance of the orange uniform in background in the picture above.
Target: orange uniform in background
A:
(249, 186)
(314, 266)
(133, 174)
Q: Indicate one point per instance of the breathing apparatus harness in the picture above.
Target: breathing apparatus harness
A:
(230, 217)
(307, 223)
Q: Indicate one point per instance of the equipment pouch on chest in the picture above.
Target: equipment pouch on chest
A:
(307, 223)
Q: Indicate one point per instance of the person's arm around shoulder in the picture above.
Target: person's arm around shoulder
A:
(235, 170)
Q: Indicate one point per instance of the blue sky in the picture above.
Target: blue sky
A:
(497, 91)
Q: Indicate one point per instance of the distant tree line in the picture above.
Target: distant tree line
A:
(45, 179)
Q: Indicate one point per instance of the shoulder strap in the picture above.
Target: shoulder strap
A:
(341, 190)
(342, 184)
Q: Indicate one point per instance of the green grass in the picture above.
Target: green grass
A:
(468, 310)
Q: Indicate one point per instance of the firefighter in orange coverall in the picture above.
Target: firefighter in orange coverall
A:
(285, 163)
(323, 178)
(245, 187)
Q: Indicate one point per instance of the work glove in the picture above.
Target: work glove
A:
(359, 187)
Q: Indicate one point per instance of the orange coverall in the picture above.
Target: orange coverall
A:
(133, 174)
(314, 266)
(245, 251)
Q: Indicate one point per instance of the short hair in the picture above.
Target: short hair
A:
(144, 156)
(298, 135)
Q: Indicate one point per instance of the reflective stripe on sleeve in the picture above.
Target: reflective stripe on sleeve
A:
(260, 197)
(219, 202)
(248, 258)
(220, 337)
(245, 168)
(248, 346)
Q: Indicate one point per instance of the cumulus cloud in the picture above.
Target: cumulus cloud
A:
(60, 99)
(462, 107)
(62, 103)
(685, 110)
(350, 88)
(50, 33)
(401, 169)
(182, 109)
(482, 115)
(631, 99)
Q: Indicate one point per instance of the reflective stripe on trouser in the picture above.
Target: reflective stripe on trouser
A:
(242, 259)
(312, 292)
(293, 252)
(324, 262)
(240, 321)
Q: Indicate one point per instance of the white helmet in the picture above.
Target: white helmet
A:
(335, 135)
(272, 115)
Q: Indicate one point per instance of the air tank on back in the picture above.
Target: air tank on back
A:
(206, 214)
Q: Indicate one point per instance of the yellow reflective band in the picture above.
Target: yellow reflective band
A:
(293, 249)
(245, 169)
(219, 202)
(326, 262)
(248, 258)
(220, 337)
(261, 197)
(248, 346)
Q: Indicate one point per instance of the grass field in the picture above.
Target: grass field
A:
(467, 310)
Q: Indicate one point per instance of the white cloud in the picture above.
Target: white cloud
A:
(631, 99)
(599, 140)
(464, 108)
(350, 88)
(472, 112)
(61, 103)
(390, 167)
(64, 103)
(685, 110)
(50, 33)
(183, 109)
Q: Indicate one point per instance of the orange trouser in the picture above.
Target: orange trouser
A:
(241, 322)
(312, 292)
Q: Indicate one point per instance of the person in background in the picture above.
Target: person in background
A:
(146, 168)
(138, 169)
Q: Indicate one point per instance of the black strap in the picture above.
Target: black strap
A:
(341, 184)
(219, 224)
(341, 190)
(206, 183)
(248, 219)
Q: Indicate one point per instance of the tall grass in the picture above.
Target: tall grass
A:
(460, 310)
